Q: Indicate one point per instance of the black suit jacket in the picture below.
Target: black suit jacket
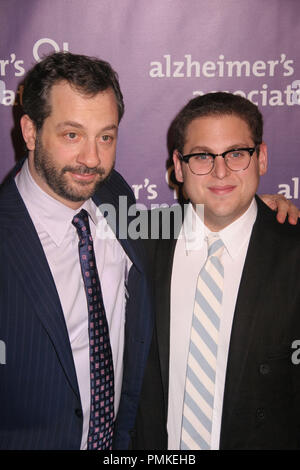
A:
(40, 405)
(261, 407)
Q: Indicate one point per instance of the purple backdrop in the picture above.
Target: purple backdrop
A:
(165, 51)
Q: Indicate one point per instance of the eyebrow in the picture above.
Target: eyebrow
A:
(200, 148)
(77, 125)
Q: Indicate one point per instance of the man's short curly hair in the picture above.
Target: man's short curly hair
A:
(214, 104)
(89, 75)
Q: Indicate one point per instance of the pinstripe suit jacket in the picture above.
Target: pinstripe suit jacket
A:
(40, 405)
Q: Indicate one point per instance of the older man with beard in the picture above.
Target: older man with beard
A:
(71, 340)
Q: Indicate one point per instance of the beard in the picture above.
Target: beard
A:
(57, 180)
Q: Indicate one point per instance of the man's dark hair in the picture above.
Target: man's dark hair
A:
(214, 104)
(89, 75)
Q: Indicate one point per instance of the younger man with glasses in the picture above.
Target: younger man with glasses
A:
(222, 372)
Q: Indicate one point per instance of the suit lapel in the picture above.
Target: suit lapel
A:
(110, 193)
(32, 270)
(162, 288)
(247, 312)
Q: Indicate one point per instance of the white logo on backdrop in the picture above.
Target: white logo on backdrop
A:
(53, 44)
(291, 190)
(169, 67)
(41, 47)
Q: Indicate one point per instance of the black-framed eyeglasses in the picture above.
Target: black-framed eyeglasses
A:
(202, 163)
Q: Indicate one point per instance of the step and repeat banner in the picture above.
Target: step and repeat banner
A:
(165, 52)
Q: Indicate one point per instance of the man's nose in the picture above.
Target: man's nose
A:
(89, 154)
(220, 169)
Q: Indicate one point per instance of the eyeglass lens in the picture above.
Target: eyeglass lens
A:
(235, 160)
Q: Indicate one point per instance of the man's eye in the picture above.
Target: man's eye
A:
(236, 154)
(107, 138)
(202, 157)
(71, 135)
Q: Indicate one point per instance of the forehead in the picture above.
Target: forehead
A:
(218, 130)
(65, 99)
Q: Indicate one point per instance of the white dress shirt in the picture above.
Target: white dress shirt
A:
(59, 238)
(186, 267)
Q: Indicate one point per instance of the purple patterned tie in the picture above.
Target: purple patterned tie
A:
(101, 362)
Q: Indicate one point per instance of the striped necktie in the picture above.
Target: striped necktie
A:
(202, 357)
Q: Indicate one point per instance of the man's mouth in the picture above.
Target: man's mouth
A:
(87, 177)
(84, 174)
(221, 190)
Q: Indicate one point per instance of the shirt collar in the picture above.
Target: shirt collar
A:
(234, 236)
(55, 217)
(238, 233)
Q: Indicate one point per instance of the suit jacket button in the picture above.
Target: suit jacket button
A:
(78, 413)
(260, 414)
(264, 369)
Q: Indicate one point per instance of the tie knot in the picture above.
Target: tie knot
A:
(81, 222)
(215, 245)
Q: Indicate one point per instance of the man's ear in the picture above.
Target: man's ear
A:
(177, 167)
(263, 159)
(28, 131)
